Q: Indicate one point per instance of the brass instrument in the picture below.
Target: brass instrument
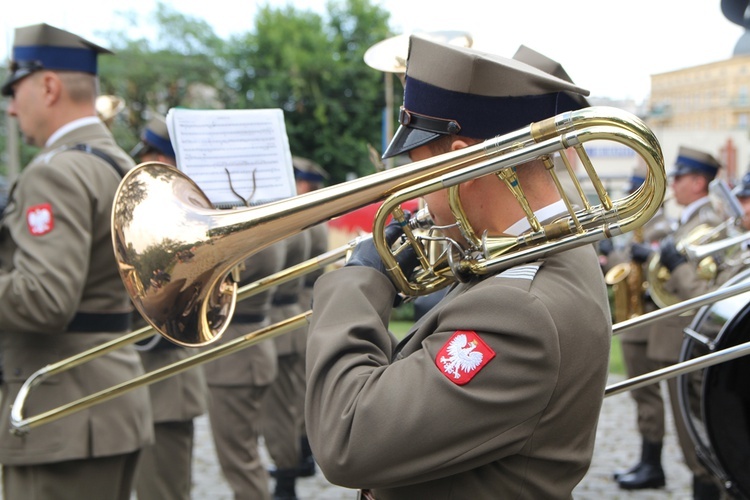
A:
(685, 366)
(108, 107)
(658, 275)
(628, 285)
(21, 425)
(701, 244)
(194, 306)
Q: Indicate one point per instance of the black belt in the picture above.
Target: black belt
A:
(248, 318)
(285, 300)
(100, 322)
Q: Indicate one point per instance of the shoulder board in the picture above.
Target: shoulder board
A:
(522, 272)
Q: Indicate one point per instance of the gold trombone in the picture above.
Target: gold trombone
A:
(195, 305)
(21, 425)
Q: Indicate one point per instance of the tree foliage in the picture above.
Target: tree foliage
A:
(313, 69)
(309, 65)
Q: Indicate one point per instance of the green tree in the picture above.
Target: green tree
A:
(313, 69)
(173, 68)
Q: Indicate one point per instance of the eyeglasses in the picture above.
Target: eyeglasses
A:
(26, 66)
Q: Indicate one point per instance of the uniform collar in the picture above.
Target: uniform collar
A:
(70, 126)
(542, 214)
(689, 210)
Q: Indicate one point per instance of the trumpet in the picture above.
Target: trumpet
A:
(194, 306)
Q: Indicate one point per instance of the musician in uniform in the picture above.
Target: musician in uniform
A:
(496, 391)
(308, 177)
(238, 382)
(60, 291)
(648, 471)
(692, 173)
(165, 468)
(283, 403)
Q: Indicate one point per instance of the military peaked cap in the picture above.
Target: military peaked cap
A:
(692, 161)
(452, 90)
(41, 46)
(154, 136)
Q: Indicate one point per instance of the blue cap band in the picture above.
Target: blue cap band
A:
(483, 117)
(307, 176)
(58, 58)
(156, 141)
(684, 162)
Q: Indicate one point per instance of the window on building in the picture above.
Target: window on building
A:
(742, 97)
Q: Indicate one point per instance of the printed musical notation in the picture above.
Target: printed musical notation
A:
(236, 157)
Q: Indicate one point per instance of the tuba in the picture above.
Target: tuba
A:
(195, 305)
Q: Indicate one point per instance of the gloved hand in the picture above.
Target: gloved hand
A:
(605, 247)
(365, 253)
(670, 257)
(640, 252)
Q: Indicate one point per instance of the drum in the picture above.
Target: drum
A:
(715, 401)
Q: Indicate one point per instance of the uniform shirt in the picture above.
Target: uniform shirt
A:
(412, 420)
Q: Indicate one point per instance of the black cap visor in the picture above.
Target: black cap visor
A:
(19, 71)
(408, 138)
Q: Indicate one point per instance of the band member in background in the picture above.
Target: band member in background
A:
(238, 383)
(648, 471)
(308, 177)
(60, 290)
(692, 173)
(165, 468)
(496, 392)
(283, 403)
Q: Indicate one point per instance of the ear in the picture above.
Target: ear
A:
(52, 86)
(457, 144)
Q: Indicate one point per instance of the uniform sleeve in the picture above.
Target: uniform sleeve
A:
(378, 424)
(51, 227)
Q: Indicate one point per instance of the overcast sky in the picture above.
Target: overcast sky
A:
(610, 48)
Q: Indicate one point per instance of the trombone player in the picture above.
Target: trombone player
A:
(692, 174)
(496, 391)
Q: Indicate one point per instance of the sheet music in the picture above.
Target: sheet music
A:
(248, 147)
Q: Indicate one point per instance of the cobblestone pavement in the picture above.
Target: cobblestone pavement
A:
(617, 447)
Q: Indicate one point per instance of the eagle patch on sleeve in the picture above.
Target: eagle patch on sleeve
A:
(462, 356)
(40, 220)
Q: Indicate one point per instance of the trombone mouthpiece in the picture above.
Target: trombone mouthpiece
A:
(421, 220)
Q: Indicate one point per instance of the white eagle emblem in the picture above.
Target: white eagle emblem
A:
(39, 219)
(461, 356)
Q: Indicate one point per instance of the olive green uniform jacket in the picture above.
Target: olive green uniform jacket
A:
(56, 259)
(665, 340)
(408, 421)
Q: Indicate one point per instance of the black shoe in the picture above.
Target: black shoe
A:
(647, 476)
(306, 467)
(284, 489)
(618, 474)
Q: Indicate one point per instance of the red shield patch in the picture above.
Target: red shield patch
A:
(463, 356)
(40, 219)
